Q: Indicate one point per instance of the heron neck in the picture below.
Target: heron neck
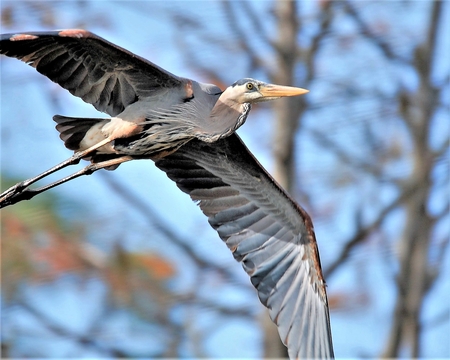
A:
(228, 116)
(224, 119)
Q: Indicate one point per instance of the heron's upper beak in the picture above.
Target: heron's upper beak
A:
(271, 91)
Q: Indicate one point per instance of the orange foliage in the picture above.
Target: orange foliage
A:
(159, 268)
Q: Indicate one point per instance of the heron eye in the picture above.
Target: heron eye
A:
(250, 86)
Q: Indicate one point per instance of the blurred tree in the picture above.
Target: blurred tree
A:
(297, 52)
(418, 108)
(40, 247)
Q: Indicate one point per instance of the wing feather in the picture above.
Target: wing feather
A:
(101, 73)
(266, 231)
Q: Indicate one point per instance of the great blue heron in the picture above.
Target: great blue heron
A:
(188, 129)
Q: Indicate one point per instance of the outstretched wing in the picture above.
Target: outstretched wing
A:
(267, 232)
(101, 73)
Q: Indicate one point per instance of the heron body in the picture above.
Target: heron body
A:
(188, 129)
(148, 126)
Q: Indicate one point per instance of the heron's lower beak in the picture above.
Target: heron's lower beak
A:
(276, 91)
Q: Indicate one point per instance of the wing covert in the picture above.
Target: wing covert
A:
(90, 67)
(266, 231)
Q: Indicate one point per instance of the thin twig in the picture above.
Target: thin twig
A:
(160, 225)
(362, 234)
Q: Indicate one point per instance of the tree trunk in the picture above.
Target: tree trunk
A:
(414, 279)
(286, 117)
(287, 110)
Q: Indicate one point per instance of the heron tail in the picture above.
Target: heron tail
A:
(72, 130)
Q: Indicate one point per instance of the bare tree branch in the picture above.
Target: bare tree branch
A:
(363, 233)
(84, 340)
(243, 36)
(362, 164)
(160, 225)
(370, 35)
(414, 280)
(437, 320)
(288, 111)
(257, 22)
(326, 16)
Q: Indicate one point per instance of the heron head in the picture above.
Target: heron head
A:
(251, 91)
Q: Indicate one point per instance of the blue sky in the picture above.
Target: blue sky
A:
(147, 30)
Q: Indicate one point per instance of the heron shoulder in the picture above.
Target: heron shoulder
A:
(210, 89)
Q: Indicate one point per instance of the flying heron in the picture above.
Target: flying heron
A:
(188, 129)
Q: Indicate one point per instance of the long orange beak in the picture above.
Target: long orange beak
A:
(275, 91)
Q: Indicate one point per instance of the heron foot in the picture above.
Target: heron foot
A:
(20, 191)
(13, 190)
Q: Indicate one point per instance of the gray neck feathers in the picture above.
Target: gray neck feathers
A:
(224, 120)
(246, 107)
